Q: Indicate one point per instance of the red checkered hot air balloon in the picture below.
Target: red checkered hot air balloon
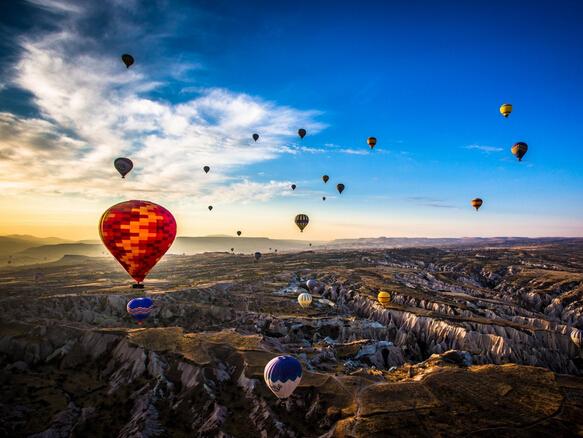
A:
(138, 234)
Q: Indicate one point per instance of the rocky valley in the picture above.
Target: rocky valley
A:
(474, 341)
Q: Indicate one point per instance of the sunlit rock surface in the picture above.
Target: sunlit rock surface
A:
(474, 342)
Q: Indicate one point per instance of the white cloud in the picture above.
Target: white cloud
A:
(93, 110)
(482, 148)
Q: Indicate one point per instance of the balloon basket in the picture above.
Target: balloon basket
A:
(138, 286)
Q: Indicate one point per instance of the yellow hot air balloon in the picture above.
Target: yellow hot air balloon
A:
(506, 109)
(477, 203)
(384, 297)
(305, 299)
(372, 141)
(302, 221)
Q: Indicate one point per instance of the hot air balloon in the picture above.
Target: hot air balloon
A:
(123, 166)
(140, 308)
(293, 186)
(128, 60)
(305, 299)
(282, 375)
(372, 141)
(519, 150)
(340, 188)
(325, 178)
(137, 234)
(238, 233)
(477, 203)
(384, 297)
(323, 198)
(302, 133)
(257, 255)
(232, 249)
(506, 109)
(206, 169)
(210, 207)
(255, 137)
(275, 249)
(577, 337)
(302, 221)
(312, 285)
(310, 244)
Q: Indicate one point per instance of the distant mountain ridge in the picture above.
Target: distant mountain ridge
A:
(24, 250)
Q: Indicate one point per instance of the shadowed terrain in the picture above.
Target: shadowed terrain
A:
(474, 342)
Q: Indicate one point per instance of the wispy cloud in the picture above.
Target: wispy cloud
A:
(428, 201)
(92, 110)
(482, 148)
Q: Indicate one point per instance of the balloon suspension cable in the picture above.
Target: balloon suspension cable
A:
(138, 286)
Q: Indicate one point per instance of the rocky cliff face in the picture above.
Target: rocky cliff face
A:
(460, 337)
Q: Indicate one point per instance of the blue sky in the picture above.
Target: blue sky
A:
(426, 78)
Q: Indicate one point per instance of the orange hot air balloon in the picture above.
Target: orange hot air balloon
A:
(372, 141)
(137, 234)
(477, 203)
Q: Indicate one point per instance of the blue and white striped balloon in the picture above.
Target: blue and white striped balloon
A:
(283, 374)
(140, 308)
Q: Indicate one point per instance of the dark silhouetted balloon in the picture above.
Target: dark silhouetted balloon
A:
(323, 198)
(302, 133)
(128, 60)
(238, 233)
(293, 186)
(340, 188)
(372, 141)
(137, 234)
(255, 137)
(232, 249)
(325, 178)
(302, 221)
(206, 169)
(257, 255)
(477, 203)
(210, 207)
(140, 308)
(123, 166)
(519, 150)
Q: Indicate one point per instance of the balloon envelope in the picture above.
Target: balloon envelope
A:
(127, 59)
(302, 221)
(519, 150)
(206, 169)
(312, 285)
(140, 308)
(238, 233)
(210, 207)
(123, 166)
(577, 337)
(340, 188)
(293, 186)
(325, 178)
(305, 299)
(137, 234)
(255, 137)
(506, 109)
(302, 132)
(372, 141)
(282, 375)
(477, 203)
(257, 255)
(384, 297)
